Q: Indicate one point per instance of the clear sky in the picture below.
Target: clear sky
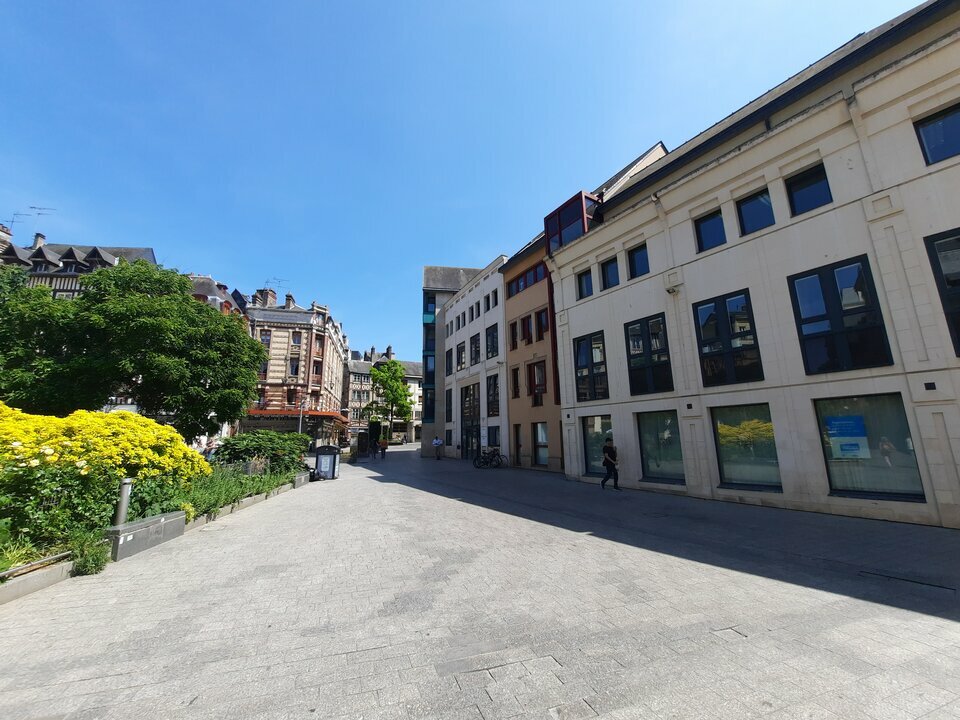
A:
(332, 149)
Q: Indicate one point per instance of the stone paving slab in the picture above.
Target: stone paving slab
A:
(412, 589)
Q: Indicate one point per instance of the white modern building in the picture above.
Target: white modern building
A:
(770, 314)
(473, 366)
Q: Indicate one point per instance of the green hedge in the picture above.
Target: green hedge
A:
(284, 451)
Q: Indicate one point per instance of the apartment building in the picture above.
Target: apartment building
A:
(359, 392)
(770, 314)
(474, 366)
(301, 385)
(439, 285)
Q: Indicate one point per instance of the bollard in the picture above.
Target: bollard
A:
(123, 504)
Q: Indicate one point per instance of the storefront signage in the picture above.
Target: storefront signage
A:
(848, 437)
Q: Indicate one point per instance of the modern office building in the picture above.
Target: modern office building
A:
(439, 285)
(474, 366)
(770, 313)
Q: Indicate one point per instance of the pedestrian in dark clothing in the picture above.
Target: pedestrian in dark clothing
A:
(610, 463)
(383, 448)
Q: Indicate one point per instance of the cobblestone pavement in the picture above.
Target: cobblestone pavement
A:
(414, 588)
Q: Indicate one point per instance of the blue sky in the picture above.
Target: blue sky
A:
(334, 149)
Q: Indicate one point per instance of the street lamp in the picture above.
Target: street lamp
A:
(303, 401)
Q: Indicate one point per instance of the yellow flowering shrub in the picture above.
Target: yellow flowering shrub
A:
(57, 474)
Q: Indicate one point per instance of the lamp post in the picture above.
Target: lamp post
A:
(303, 401)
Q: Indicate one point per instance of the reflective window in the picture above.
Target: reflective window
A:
(541, 452)
(461, 356)
(710, 232)
(448, 364)
(727, 340)
(475, 349)
(448, 402)
(542, 323)
(648, 357)
(584, 285)
(867, 446)
(596, 430)
(940, 135)
(808, 190)
(493, 397)
(746, 451)
(609, 274)
(944, 251)
(755, 212)
(660, 454)
(590, 367)
(493, 436)
(638, 261)
(838, 318)
(493, 341)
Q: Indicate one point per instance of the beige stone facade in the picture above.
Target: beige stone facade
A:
(532, 389)
(810, 351)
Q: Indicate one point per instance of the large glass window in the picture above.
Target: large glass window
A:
(838, 318)
(609, 273)
(513, 335)
(448, 402)
(448, 365)
(493, 395)
(944, 250)
(429, 404)
(526, 329)
(660, 455)
(867, 445)
(590, 365)
(638, 261)
(755, 212)
(475, 349)
(746, 450)
(493, 436)
(493, 341)
(541, 451)
(727, 341)
(940, 135)
(648, 357)
(542, 322)
(710, 232)
(596, 430)
(515, 382)
(584, 285)
(461, 356)
(429, 369)
(808, 190)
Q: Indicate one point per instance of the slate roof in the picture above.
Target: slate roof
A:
(130, 254)
(280, 315)
(447, 278)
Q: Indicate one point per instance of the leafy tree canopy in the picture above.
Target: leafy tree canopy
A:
(134, 331)
(392, 400)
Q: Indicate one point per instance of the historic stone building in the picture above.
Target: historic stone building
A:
(301, 385)
(358, 392)
(769, 314)
(60, 267)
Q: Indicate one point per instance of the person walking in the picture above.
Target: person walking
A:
(383, 448)
(610, 463)
(437, 447)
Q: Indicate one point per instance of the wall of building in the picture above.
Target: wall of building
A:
(885, 201)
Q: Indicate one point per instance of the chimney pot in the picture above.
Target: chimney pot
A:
(38, 240)
(288, 302)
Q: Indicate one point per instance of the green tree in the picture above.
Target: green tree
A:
(392, 400)
(135, 331)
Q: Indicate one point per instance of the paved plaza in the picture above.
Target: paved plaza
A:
(412, 588)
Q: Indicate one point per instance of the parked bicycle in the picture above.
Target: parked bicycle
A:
(489, 457)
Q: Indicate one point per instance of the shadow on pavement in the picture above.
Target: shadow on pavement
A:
(913, 567)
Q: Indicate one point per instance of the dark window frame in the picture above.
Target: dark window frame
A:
(461, 355)
(607, 282)
(923, 123)
(790, 183)
(699, 222)
(647, 366)
(753, 196)
(541, 323)
(949, 298)
(534, 390)
(493, 395)
(571, 220)
(448, 362)
(582, 292)
(526, 329)
(835, 316)
(475, 349)
(631, 254)
(728, 352)
(493, 340)
(448, 405)
(597, 390)
(513, 335)
(515, 382)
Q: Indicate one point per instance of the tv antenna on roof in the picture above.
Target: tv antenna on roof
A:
(17, 216)
(275, 282)
(43, 210)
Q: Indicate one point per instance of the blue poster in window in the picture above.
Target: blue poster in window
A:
(848, 437)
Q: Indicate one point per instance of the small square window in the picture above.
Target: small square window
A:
(710, 232)
(940, 135)
(808, 190)
(584, 285)
(755, 212)
(609, 273)
(639, 261)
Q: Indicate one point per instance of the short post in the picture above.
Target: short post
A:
(123, 504)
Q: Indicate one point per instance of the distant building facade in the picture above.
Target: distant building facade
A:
(301, 385)
(359, 392)
(439, 285)
(60, 267)
(473, 367)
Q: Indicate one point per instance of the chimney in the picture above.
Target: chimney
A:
(38, 240)
(5, 237)
(389, 352)
(221, 287)
(288, 302)
(268, 297)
